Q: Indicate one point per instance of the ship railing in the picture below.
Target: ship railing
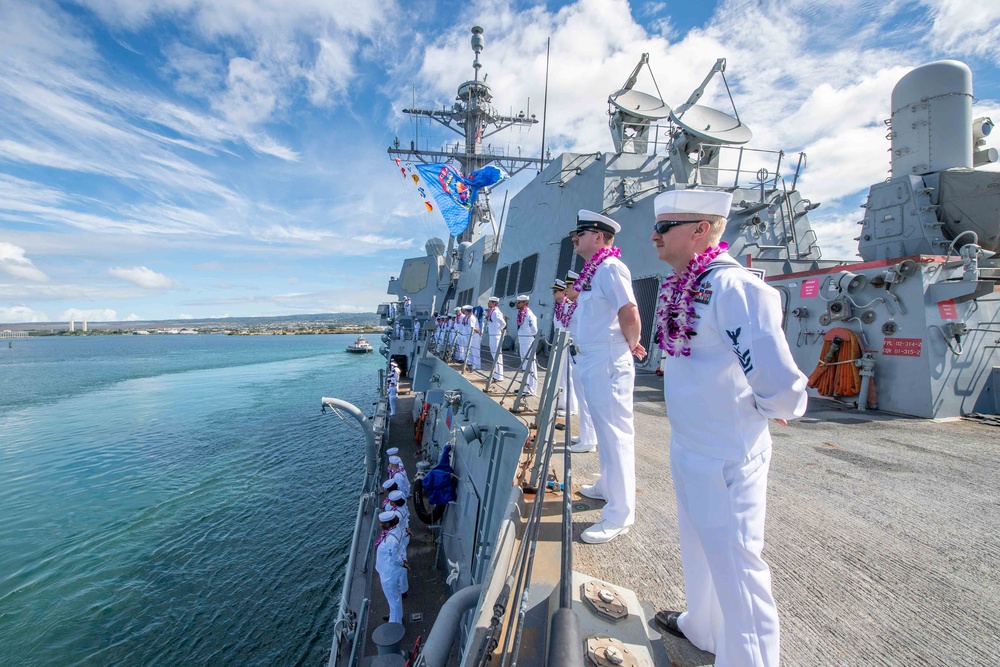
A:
(524, 562)
(757, 167)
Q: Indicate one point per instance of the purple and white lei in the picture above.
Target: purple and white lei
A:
(675, 316)
(586, 275)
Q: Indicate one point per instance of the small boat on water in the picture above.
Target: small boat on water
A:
(360, 346)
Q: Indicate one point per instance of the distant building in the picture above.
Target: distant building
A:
(85, 326)
(72, 326)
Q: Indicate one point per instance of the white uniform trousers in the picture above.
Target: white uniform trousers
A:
(720, 520)
(588, 436)
(608, 377)
(524, 344)
(461, 346)
(390, 575)
(568, 395)
(495, 350)
(393, 392)
(474, 348)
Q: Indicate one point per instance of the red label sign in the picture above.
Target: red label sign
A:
(809, 289)
(902, 347)
(948, 310)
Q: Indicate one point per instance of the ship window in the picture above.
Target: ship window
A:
(526, 282)
(512, 279)
(646, 292)
(565, 258)
(500, 290)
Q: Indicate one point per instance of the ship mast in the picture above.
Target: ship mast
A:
(474, 118)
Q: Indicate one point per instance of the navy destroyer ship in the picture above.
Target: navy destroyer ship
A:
(880, 533)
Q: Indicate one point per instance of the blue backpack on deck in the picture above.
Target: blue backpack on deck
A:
(439, 484)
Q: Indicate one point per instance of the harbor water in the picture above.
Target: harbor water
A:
(176, 500)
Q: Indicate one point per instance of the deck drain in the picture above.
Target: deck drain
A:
(581, 507)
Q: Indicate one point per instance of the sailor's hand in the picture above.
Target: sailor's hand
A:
(571, 294)
(639, 351)
(406, 564)
(409, 532)
(783, 422)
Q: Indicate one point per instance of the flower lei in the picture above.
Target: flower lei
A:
(489, 315)
(586, 274)
(521, 314)
(675, 314)
(561, 314)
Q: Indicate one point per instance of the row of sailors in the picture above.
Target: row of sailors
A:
(462, 331)
(390, 548)
(405, 307)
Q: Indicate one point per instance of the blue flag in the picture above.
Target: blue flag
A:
(456, 194)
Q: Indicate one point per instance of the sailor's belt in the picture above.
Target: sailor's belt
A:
(619, 346)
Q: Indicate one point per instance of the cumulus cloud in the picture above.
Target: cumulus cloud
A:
(91, 315)
(143, 277)
(132, 317)
(185, 316)
(14, 263)
(21, 314)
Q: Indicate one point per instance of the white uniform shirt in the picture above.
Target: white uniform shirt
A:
(595, 320)
(402, 482)
(740, 372)
(529, 327)
(389, 555)
(496, 322)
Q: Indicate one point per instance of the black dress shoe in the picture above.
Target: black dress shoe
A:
(404, 596)
(668, 621)
(385, 618)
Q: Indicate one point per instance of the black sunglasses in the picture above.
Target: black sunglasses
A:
(664, 226)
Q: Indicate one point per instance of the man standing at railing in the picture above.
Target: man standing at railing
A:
(727, 370)
(496, 324)
(527, 327)
(607, 335)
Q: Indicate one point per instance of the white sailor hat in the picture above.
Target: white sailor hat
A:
(396, 495)
(392, 451)
(387, 484)
(558, 285)
(469, 308)
(571, 276)
(395, 460)
(687, 205)
(522, 297)
(587, 220)
(494, 298)
(387, 516)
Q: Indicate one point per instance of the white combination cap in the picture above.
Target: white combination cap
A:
(683, 204)
(572, 276)
(387, 516)
(558, 285)
(589, 220)
(396, 495)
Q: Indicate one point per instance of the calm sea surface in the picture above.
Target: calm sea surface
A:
(176, 500)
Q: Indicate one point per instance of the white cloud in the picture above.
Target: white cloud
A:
(185, 316)
(143, 277)
(970, 27)
(91, 315)
(18, 314)
(132, 317)
(14, 263)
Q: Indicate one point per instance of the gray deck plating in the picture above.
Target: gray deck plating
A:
(882, 536)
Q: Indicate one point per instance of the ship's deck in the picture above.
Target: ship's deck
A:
(881, 536)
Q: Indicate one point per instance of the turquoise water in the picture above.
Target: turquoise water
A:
(176, 500)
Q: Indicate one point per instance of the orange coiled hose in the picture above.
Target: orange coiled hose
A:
(836, 373)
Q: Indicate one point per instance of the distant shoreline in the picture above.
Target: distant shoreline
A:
(319, 331)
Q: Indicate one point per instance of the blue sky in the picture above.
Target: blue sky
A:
(189, 158)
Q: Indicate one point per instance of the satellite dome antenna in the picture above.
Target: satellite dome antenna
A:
(703, 131)
(633, 113)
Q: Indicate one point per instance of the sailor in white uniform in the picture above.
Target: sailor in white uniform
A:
(461, 335)
(399, 506)
(567, 397)
(393, 391)
(728, 370)
(527, 327)
(607, 335)
(399, 475)
(496, 324)
(475, 338)
(391, 564)
(407, 306)
(586, 441)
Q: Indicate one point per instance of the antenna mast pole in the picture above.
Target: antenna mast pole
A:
(545, 104)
